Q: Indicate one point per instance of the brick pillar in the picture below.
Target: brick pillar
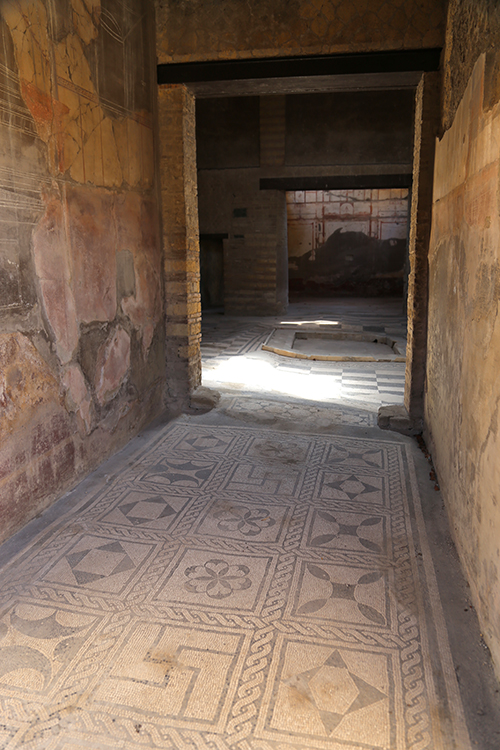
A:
(180, 241)
(272, 131)
(427, 113)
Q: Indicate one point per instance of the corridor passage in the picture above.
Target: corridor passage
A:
(264, 575)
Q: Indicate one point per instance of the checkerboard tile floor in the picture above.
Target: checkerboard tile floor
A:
(229, 341)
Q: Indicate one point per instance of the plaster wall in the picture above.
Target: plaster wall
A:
(462, 402)
(81, 328)
(228, 29)
(349, 128)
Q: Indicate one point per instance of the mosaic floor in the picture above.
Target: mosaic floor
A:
(232, 587)
(257, 577)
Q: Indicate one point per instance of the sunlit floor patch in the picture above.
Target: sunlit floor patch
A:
(234, 360)
(259, 375)
(370, 384)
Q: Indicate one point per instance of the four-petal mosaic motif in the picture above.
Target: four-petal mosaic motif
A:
(231, 589)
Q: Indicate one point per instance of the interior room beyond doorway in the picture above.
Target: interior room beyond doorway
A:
(347, 242)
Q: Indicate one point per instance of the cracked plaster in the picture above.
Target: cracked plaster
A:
(80, 167)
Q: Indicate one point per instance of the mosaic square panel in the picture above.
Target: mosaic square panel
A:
(98, 563)
(178, 473)
(339, 593)
(350, 487)
(363, 456)
(147, 510)
(204, 441)
(253, 521)
(335, 529)
(177, 673)
(287, 452)
(266, 480)
(329, 697)
(37, 643)
(217, 579)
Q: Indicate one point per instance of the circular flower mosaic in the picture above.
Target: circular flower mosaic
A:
(217, 579)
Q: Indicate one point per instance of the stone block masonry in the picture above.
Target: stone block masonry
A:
(180, 242)
(272, 130)
(254, 280)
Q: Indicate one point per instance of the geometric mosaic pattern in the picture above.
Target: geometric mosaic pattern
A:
(232, 588)
(290, 412)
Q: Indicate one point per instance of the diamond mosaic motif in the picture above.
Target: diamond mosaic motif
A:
(245, 602)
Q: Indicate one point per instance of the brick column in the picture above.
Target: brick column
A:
(272, 130)
(427, 113)
(180, 241)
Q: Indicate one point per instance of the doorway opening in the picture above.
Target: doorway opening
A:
(212, 272)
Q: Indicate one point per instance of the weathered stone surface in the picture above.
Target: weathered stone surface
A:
(462, 405)
(36, 448)
(51, 253)
(78, 397)
(473, 28)
(76, 106)
(138, 233)
(80, 137)
(125, 274)
(204, 398)
(113, 363)
(227, 29)
(92, 238)
(426, 128)
(180, 241)
(26, 382)
(396, 418)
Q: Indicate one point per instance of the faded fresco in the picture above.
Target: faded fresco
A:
(80, 294)
(347, 241)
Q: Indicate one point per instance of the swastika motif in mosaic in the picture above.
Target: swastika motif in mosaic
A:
(230, 588)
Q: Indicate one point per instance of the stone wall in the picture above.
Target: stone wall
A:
(254, 222)
(244, 133)
(229, 29)
(472, 28)
(81, 342)
(462, 404)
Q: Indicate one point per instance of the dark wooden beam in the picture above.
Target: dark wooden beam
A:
(395, 61)
(338, 182)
